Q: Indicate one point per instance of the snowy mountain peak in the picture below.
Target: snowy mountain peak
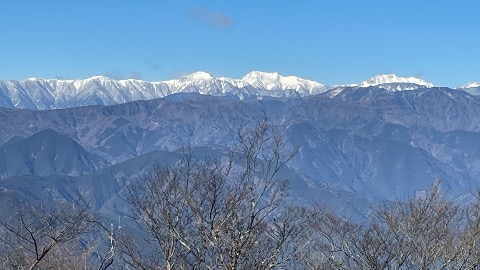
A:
(471, 85)
(275, 81)
(392, 78)
(99, 78)
(199, 75)
(259, 75)
(34, 79)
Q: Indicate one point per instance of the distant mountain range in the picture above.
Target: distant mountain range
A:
(386, 138)
(44, 94)
(360, 144)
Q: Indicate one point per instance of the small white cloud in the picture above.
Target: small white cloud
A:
(215, 19)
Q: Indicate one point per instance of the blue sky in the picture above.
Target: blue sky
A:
(331, 41)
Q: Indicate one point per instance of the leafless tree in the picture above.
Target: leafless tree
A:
(221, 214)
(49, 237)
(426, 232)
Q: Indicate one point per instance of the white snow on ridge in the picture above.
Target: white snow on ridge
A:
(392, 78)
(35, 93)
(471, 85)
(275, 81)
(199, 75)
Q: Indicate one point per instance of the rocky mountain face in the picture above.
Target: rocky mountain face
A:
(356, 145)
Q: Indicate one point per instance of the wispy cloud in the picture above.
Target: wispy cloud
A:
(118, 75)
(419, 75)
(152, 65)
(135, 75)
(215, 19)
(114, 74)
(178, 74)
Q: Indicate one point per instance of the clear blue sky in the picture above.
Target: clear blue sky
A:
(330, 41)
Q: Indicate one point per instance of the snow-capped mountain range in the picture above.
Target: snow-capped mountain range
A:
(36, 93)
(392, 78)
(471, 85)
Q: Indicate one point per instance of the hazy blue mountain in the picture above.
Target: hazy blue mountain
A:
(371, 142)
(103, 189)
(46, 153)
